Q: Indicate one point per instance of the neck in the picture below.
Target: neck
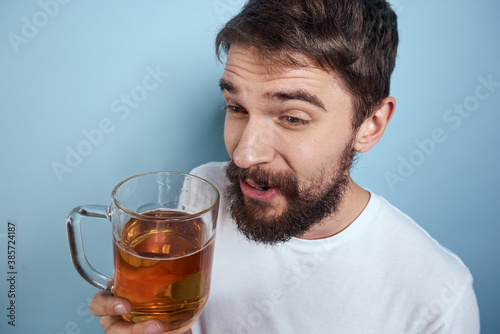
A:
(353, 203)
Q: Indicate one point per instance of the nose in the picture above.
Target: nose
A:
(255, 144)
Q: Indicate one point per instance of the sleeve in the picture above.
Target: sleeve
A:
(463, 317)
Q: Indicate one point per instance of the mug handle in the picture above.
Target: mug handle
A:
(75, 241)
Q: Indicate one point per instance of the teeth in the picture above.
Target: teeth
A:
(262, 188)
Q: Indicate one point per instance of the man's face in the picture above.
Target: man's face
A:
(288, 133)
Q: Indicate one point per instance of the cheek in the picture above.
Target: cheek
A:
(311, 155)
(316, 153)
(301, 154)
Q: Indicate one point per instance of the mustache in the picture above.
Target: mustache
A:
(287, 183)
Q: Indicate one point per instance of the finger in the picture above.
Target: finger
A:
(105, 303)
(116, 325)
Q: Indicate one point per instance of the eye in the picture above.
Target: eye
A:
(294, 121)
(233, 109)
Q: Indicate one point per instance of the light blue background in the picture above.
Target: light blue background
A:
(70, 74)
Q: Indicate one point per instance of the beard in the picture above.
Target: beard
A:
(306, 206)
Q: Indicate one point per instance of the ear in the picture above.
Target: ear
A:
(374, 126)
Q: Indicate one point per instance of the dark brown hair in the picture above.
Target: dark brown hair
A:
(356, 39)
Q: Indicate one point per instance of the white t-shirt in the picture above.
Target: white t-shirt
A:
(383, 274)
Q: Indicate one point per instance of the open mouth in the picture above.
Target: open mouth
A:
(258, 186)
(258, 192)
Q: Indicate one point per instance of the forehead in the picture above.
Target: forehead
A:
(248, 71)
(247, 60)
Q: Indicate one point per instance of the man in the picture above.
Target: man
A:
(301, 248)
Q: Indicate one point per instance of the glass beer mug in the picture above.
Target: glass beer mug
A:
(163, 233)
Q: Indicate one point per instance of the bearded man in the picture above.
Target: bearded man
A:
(301, 248)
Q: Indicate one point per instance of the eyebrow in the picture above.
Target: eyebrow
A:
(300, 95)
(226, 85)
(282, 96)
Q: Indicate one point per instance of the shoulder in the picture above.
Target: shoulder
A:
(409, 242)
(434, 278)
(214, 172)
(433, 274)
(415, 241)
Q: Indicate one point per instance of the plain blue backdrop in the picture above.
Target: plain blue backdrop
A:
(92, 92)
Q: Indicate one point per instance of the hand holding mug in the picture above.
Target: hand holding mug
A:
(163, 235)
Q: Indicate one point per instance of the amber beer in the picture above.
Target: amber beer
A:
(164, 226)
(163, 268)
